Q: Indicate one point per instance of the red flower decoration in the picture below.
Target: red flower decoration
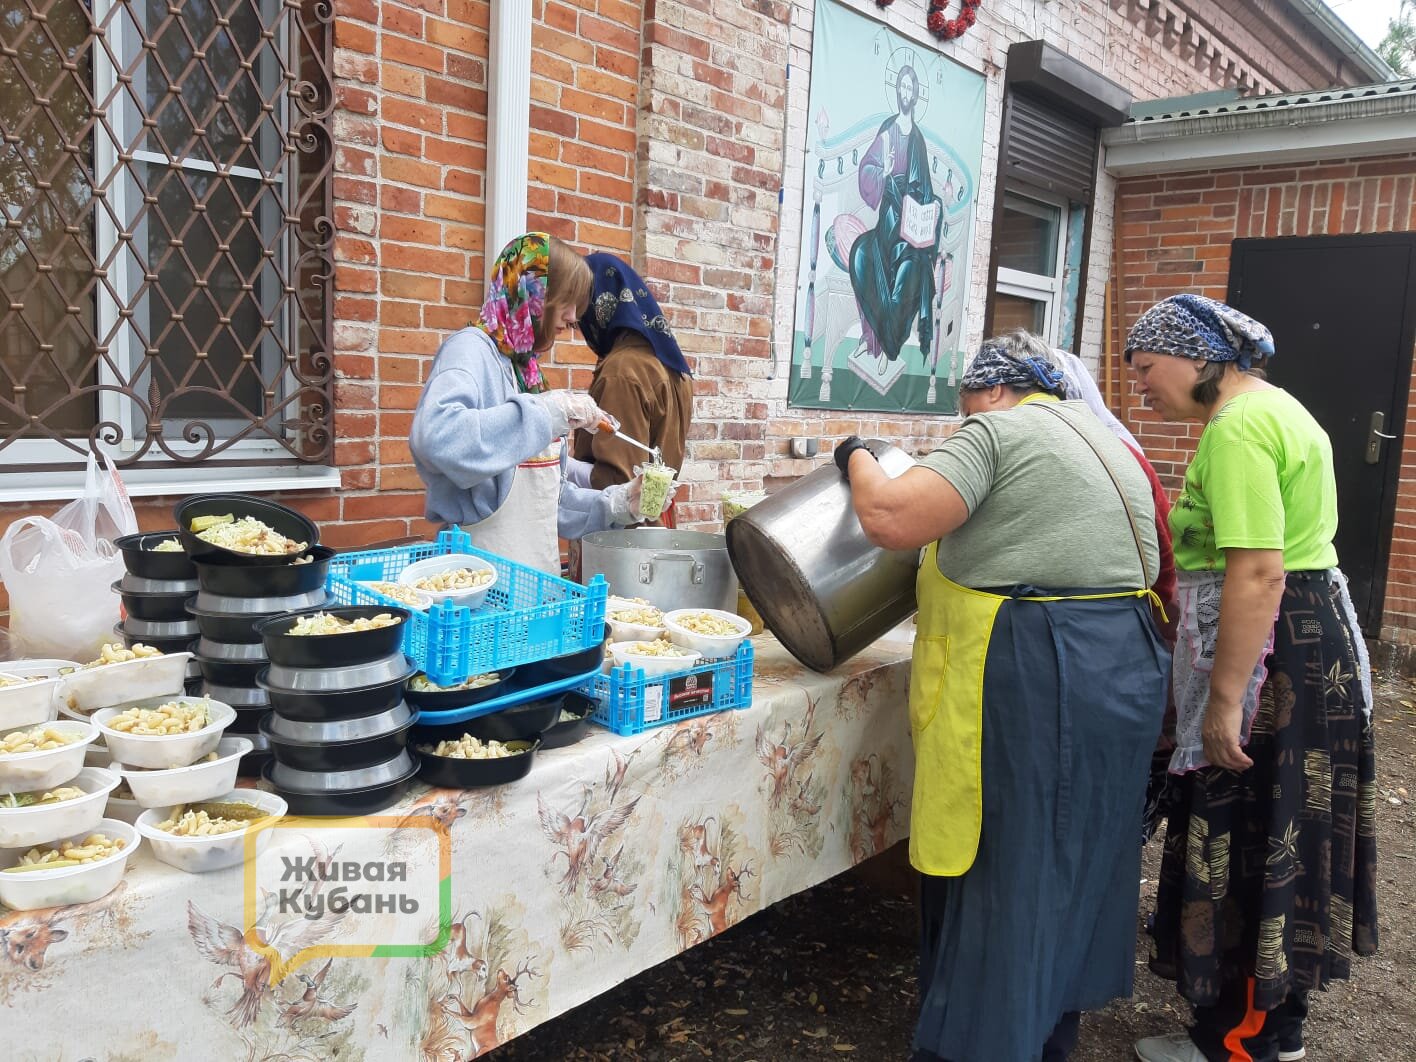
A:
(947, 28)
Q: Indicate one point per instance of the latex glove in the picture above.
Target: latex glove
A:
(624, 502)
(570, 410)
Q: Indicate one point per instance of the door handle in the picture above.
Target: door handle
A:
(1375, 437)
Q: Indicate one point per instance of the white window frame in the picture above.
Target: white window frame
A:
(1037, 286)
(125, 355)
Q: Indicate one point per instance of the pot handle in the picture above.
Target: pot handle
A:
(646, 568)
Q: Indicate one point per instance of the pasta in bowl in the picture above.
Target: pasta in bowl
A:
(211, 835)
(75, 869)
(712, 632)
(657, 657)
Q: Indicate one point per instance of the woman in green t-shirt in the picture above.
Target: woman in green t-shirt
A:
(1267, 884)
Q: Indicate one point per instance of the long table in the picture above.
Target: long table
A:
(612, 855)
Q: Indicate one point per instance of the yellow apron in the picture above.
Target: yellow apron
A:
(953, 630)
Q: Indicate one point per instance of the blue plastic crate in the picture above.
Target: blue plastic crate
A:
(629, 702)
(526, 616)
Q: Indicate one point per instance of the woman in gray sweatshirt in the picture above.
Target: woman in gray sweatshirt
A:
(488, 438)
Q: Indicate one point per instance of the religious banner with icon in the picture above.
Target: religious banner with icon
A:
(888, 220)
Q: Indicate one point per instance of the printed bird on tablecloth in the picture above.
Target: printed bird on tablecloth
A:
(580, 837)
(782, 758)
(311, 1005)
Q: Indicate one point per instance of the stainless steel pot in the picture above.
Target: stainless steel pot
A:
(807, 567)
(668, 568)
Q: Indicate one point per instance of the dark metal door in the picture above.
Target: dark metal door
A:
(1343, 314)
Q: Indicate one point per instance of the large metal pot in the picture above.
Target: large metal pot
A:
(668, 568)
(821, 587)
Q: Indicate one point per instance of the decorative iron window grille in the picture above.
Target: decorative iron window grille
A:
(166, 253)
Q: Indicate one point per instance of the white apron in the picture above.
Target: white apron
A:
(524, 528)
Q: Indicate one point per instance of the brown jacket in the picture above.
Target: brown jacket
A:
(653, 404)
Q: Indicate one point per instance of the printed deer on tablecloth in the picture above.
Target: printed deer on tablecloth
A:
(480, 1022)
(715, 904)
(26, 936)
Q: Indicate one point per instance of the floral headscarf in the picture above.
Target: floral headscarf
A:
(1192, 326)
(516, 299)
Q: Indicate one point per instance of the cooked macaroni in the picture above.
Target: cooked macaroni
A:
(197, 821)
(117, 653)
(456, 579)
(9, 801)
(709, 624)
(642, 615)
(91, 849)
(422, 684)
(246, 535)
(39, 739)
(469, 748)
(404, 595)
(174, 717)
(324, 623)
(167, 545)
(658, 647)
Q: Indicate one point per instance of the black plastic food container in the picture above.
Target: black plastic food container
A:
(262, 577)
(287, 521)
(336, 755)
(544, 672)
(311, 706)
(156, 608)
(230, 672)
(332, 650)
(569, 732)
(443, 700)
(450, 773)
(140, 559)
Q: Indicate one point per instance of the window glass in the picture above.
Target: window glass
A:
(1027, 239)
(1014, 311)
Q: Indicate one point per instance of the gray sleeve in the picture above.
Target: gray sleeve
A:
(968, 460)
(583, 511)
(467, 443)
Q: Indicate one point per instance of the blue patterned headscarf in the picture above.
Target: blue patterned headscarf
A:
(993, 365)
(620, 300)
(1192, 326)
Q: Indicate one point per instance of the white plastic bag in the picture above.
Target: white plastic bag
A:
(59, 572)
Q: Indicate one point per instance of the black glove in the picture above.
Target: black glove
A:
(844, 449)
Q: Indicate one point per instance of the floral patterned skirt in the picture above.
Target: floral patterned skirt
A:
(1270, 873)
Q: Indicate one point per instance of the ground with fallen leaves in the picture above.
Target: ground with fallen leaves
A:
(831, 973)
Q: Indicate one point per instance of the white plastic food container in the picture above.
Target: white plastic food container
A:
(198, 855)
(629, 632)
(45, 769)
(713, 647)
(653, 666)
(433, 565)
(27, 827)
(36, 701)
(164, 751)
(82, 884)
(89, 689)
(188, 785)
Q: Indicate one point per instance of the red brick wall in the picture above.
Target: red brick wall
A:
(1174, 234)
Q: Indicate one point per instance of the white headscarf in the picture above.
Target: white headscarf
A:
(1081, 386)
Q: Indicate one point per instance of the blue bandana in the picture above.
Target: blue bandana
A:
(1192, 326)
(992, 366)
(621, 301)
